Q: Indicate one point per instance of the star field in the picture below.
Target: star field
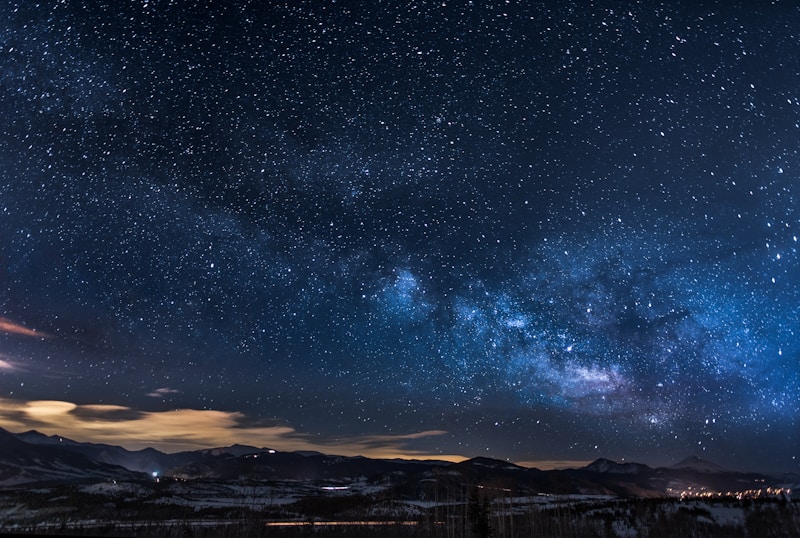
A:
(529, 231)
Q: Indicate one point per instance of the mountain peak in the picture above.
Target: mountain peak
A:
(603, 465)
(482, 461)
(232, 450)
(694, 463)
(33, 434)
(38, 438)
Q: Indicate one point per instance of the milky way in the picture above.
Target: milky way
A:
(529, 231)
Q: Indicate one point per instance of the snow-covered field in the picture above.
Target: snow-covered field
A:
(158, 508)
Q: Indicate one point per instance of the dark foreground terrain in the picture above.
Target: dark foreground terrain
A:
(176, 509)
(55, 486)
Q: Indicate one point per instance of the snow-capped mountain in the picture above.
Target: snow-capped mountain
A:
(693, 463)
(603, 465)
(147, 460)
(25, 463)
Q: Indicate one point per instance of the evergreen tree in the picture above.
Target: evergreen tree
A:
(478, 514)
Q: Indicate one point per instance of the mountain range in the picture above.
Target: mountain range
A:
(32, 458)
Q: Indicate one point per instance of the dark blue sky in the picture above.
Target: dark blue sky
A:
(535, 231)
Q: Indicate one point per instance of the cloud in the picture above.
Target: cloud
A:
(8, 326)
(192, 429)
(8, 366)
(43, 409)
(161, 392)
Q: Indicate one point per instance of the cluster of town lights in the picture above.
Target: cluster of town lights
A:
(760, 493)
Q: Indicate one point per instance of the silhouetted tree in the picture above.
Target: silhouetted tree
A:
(478, 514)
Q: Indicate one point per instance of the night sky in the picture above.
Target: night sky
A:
(531, 231)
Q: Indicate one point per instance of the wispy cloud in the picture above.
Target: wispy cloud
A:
(161, 392)
(7, 366)
(8, 326)
(11, 363)
(190, 429)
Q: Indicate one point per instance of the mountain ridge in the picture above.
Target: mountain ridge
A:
(32, 457)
